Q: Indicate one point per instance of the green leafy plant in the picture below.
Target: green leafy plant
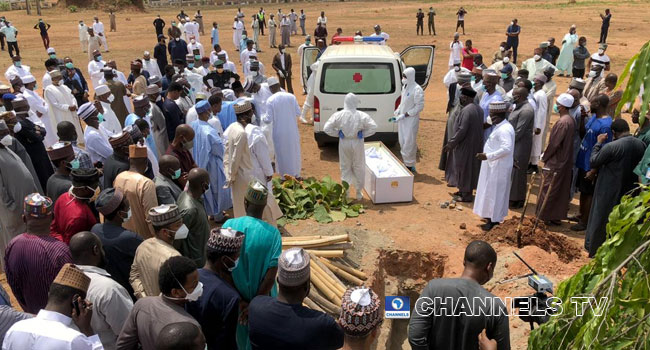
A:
(72, 8)
(5, 6)
(638, 70)
(619, 272)
(326, 201)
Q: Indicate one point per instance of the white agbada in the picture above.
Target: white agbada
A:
(238, 28)
(541, 101)
(83, 36)
(97, 144)
(407, 128)
(47, 80)
(59, 100)
(95, 72)
(245, 55)
(151, 66)
(111, 124)
(192, 30)
(282, 111)
(14, 71)
(38, 104)
(452, 76)
(262, 167)
(494, 181)
(455, 54)
(352, 155)
(260, 99)
(195, 46)
(98, 28)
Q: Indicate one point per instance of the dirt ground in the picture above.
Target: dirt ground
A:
(419, 226)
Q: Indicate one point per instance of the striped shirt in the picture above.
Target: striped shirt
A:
(31, 264)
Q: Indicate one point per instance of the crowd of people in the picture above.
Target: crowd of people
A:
(116, 222)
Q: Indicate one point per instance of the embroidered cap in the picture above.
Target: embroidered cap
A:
(164, 214)
(38, 206)
(257, 193)
(202, 106)
(498, 106)
(225, 240)
(577, 83)
(360, 311)
(109, 200)
(243, 107)
(86, 110)
(293, 267)
(121, 139)
(60, 150)
(72, 276)
(152, 89)
(102, 90)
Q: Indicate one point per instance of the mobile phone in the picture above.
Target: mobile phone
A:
(75, 304)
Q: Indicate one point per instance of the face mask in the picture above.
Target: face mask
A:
(52, 56)
(555, 109)
(100, 117)
(502, 48)
(177, 174)
(533, 85)
(69, 65)
(472, 79)
(176, 70)
(197, 57)
(592, 73)
(158, 98)
(196, 293)
(177, 39)
(74, 164)
(232, 268)
(504, 76)
(58, 83)
(488, 120)
(308, 42)
(512, 23)
(128, 215)
(6, 141)
(601, 52)
(22, 89)
(404, 81)
(193, 41)
(182, 232)
(254, 73)
(18, 64)
(98, 58)
(537, 57)
(283, 51)
(188, 145)
(111, 98)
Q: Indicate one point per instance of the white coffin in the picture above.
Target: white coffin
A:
(393, 185)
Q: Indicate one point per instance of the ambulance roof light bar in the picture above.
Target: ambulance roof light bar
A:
(358, 39)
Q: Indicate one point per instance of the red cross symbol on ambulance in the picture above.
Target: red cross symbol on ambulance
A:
(357, 77)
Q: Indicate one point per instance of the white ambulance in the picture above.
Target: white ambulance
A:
(372, 72)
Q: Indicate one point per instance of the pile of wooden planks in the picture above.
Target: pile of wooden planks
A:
(329, 270)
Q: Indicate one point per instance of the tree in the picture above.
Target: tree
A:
(638, 70)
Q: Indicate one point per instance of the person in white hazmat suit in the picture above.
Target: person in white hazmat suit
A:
(351, 127)
(309, 101)
(407, 116)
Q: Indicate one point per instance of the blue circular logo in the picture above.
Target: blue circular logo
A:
(397, 304)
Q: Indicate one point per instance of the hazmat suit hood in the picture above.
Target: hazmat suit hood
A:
(409, 73)
(351, 103)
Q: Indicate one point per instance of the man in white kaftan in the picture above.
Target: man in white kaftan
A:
(540, 124)
(495, 177)
(38, 110)
(237, 160)
(62, 105)
(282, 111)
(262, 169)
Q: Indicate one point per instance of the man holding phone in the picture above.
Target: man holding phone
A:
(51, 328)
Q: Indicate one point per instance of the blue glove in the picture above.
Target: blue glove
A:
(341, 135)
(360, 134)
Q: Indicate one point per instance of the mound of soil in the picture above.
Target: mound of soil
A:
(565, 249)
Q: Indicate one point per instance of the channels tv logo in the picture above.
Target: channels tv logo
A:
(397, 307)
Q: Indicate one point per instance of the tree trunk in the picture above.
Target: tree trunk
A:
(29, 11)
(38, 7)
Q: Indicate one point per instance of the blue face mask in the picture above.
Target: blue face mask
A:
(100, 117)
(190, 65)
(18, 64)
(177, 174)
(74, 164)
(98, 58)
(197, 57)
(555, 109)
(52, 56)
(69, 65)
(473, 79)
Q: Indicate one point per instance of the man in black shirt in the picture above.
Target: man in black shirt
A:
(159, 24)
(434, 325)
(173, 115)
(420, 24)
(604, 28)
(43, 28)
(552, 50)
(219, 78)
(283, 323)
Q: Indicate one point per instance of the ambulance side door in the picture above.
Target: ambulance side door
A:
(309, 56)
(420, 58)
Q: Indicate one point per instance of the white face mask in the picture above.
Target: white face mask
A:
(182, 232)
(537, 57)
(512, 23)
(22, 89)
(196, 293)
(158, 98)
(502, 48)
(111, 98)
(283, 51)
(488, 120)
(404, 81)
(592, 73)
(193, 41)
(601, 51)
(6, 141)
